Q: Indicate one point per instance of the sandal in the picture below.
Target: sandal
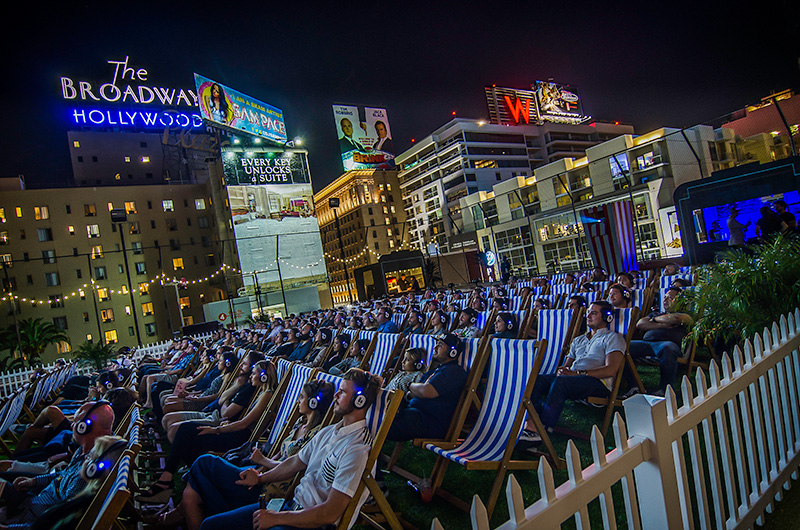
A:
(164, 518)
(159, 493)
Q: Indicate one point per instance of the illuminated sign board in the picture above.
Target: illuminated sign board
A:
(229, 108)
(129, 86)
(365, 138)
(558, 103)
(510, 106)
(283, 167)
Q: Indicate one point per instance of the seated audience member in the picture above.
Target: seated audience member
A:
(275, 342)
(289, 344)
(341, 343)
(439, 323)
(414, 324)
(587, 288)
(576, 302)
(500, 304)
(195, 401)
(431, 403)
(411, 370)
(541, 303)
(619, 296)
(353, 359)
(593, 361)
(303, 348)
(626, 280)
(569, 279)
(322, 343)
(369, 322)
(467, 324)
(671, 269)
(28, 498)
(354, 323)
(384, 319)
(478, 304)
(194, 439)
(681, 283)
(212, 487)
(333, 462)
(598, 274)
(663, 337)
(505, 326)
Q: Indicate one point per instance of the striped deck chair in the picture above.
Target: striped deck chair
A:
(666, 281)
(592, 297)
(624, 323)
(367, 335)
(282, 368)
(298, 376)
(563, 288)
(515, 303)
(12, 410)
(398, 319)
(385, 345)
(426, 342)
(522, 323)
(513, 366)
(353, 334)
(557, 327)
(484, 322)
(379, 419)
(110, 500)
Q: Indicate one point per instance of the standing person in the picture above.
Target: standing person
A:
(333, 461)
(769, 223)
(785, 215)
(736, 229)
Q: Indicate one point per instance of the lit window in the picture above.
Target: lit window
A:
(199, 204)
(6, 259)
(97, 251)
(144, 288)
(2, 215)
(89, 210)
(168, 206)
(140, 268)
(130, 207)
(117, 177)
(110, 206)
(150, 329)
(19, 211)
(82, 294)
(145, 159)
(177, 264)
(71, 230)
(147, 308)
(107, 315)
(391, 243)
(127, 159)
(388, 187)
(41, 212)
(92, 231)
(76, 143)
(124, 289)
(111, 336)
(127, 310)
(89, 337)
(102, 294)
(184, 302)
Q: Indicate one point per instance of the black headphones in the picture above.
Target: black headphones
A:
(264, 377)
(442, 316)
(96, 467)
(510, 323)
(419, 364)
(387, 314)
(313, 401)
(608, 314)
(84, 426)
(370, 317)
(626, 293)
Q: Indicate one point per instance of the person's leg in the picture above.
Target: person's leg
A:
(238, 518)
(667, 353)
(409, 423)
(158, 389)
(638, 349)
(566, 387)
(214, 480)
(540, 390)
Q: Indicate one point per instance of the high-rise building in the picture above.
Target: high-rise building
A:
(371, 223)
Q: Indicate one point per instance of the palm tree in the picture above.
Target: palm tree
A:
(95, 354)
(35, 336)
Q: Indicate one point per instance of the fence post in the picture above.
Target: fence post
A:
(656, 478)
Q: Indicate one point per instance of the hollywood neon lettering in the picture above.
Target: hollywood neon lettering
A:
(136, 118)
(131, 93)
(518, 110)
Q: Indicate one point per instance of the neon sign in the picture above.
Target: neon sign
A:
(518, 109)
(117, 91)
(136, 118)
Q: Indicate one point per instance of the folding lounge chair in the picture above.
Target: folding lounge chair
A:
(513, 368)
(384, 346)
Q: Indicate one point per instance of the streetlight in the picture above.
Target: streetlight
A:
(333, 204)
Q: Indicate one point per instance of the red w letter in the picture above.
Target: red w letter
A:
(517, 109)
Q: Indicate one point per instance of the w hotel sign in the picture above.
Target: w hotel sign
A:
(545, 102)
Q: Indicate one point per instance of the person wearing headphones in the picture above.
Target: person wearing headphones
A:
(28, 498)
(411, 370)
(505, 326)
(467, 324)
(333, 463)
(439, 323)
(593, 361)
(619, 296)
(414, 326)
(663, 339)
(303, 348)
(385, 323)
(431, 403)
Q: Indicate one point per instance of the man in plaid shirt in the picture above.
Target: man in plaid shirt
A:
(32, 496)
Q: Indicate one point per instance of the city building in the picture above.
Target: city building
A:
(467, 156)
(371, 223)
(139, 280)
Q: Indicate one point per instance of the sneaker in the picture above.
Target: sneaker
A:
(159, 493)
(630, 393)
(530, 436)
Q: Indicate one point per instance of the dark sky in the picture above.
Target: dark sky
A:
(648, 64)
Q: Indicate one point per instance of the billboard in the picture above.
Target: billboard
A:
(274, 220)
(558, 103)
(229, 108)
(365, 138)
(511, 106)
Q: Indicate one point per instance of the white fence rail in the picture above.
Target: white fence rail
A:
(718, 462)
(12, 380)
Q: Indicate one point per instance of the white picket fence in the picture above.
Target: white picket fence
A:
(12, 380)
(719, 461)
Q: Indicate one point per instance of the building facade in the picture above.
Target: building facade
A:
(467, 156)
(371, 222)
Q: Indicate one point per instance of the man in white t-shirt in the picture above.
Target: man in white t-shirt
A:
(333, 461)
(593, 361)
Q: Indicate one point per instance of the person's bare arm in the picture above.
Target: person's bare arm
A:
(320, 515)
(610, 369)
(423, 390)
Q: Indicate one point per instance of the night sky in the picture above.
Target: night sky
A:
(650, 65)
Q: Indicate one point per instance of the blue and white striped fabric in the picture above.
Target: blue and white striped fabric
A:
(13, 411)
(136, 415)
(686, 270)
(637, 298)
(640, 283)
(510, 366)
(37, 392)
(471, 348)
(550, 298)
(623, 320)
(515, 303)
(462, 303)
(426, 342)
(377, 411)
(483, 318)
(591, 297)
(665, 281)
(120, 486)
(282, 368)
(335, 380)
(600, 286)
(398, 319)
(133, 436)
(564, 288)
(299, 376)
(520, 285)
(353, 333)
(382, 352)
(553, 327)
(559, 277)
(366, 335)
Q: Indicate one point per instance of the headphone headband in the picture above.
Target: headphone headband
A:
(84, 426)
(96, 466)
